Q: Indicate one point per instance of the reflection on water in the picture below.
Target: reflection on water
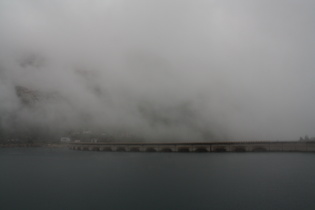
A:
(37, 178)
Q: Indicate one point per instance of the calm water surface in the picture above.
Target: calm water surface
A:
(42, 178)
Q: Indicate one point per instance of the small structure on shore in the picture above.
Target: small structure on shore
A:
(65, 140)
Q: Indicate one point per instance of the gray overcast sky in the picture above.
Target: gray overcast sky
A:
(174, 69)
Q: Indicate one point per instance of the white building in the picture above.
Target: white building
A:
(65, 139)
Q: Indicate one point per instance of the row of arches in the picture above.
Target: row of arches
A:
(169, 149)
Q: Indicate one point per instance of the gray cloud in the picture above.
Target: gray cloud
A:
(173, 70)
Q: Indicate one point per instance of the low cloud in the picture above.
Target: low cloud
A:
(159, 70)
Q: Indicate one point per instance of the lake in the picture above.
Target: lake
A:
(58, 178)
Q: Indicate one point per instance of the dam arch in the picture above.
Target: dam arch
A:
(166, 150)
(150, 149)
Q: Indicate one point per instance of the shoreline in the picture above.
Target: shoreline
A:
(32, 145)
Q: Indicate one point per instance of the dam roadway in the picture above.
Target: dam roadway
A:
(228, 146)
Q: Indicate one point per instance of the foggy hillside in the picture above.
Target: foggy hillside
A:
(158, 70)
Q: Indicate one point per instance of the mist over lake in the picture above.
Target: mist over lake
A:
(157, 70)
(216, 88)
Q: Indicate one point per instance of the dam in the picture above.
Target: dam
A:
(231, 146)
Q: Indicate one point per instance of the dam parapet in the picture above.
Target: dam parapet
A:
(246, 146)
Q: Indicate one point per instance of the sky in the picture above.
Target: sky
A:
(173, 70)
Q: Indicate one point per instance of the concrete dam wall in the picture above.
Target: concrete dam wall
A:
(266, 146)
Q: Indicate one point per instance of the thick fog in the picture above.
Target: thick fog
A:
(169, 70)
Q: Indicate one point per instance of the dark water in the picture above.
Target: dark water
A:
(64, 179)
